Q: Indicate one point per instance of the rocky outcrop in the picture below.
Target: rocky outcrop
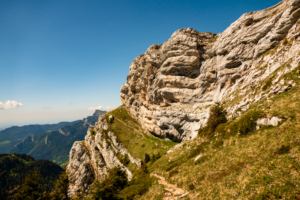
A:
(92, 158)
(170, 87)
(274, 121)
(282, 87)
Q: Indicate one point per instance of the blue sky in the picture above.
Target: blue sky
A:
(60, 58)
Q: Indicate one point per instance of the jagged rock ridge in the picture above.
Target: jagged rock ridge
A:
(169, 88)
(93, 157)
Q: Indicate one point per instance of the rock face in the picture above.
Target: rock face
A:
(111, 118)
(274, 121)
(169, 88)
(92, 158)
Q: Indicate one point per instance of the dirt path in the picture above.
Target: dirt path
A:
(174, 192)
(130, 127)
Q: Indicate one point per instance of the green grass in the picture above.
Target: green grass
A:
(214, 39)
(255, 164)
(133, 137)
(263, 164)
(4, 142)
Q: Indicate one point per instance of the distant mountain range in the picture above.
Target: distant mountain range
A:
(53, 142)
(11, 136)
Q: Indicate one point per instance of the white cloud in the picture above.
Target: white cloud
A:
(108, 108)
(10, 104)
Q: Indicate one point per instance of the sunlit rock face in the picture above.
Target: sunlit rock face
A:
(93, 157)
(169, 88)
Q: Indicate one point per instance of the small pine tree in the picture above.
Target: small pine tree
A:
(144, 168)
(217, 116)
(31, 187)
(157, 156)
(147, 158)
(110, 188)
(61, 186)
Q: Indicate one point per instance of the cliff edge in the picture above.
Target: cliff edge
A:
(170, 87)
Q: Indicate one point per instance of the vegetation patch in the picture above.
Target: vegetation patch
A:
(124, 159)
(247, 123)
(217, 116)
(132, 136)
(214, 39)
(93, 132)
(116, 186)
(283, 149)
(267, 84)
(262, 165)
(23, 177)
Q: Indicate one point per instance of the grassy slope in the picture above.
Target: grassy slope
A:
(137, 142)
(133, 136)
(263, 164)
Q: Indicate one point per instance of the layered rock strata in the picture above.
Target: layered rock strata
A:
(92, 158)
(169, 88)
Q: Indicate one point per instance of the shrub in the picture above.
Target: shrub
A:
(247, 123)
(93, 132)
(267, 85)
(155, 157)
(204, 132)
(283, 149)
(136, 187)
(143, 169)
(191, 186)
(61, 187)
(124, 159)
(110, 187)
(217, 116)
(31, 187)
(147, 158)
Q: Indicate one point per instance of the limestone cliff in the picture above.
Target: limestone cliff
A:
(92, 158)
(170, 87)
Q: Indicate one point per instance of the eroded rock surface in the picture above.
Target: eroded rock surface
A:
(92, 158)
(169, 87)
(274, 121)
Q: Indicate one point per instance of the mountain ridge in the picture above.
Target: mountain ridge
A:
(15, 134)
(55, 145)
